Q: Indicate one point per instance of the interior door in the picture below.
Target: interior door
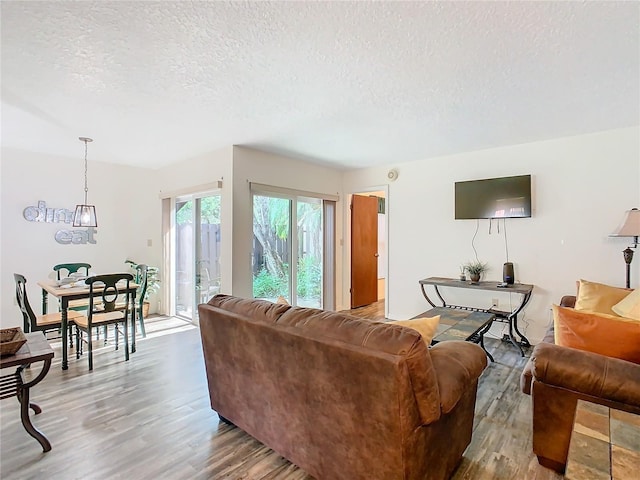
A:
(364, 250)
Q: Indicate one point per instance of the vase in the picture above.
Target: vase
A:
(475, 277)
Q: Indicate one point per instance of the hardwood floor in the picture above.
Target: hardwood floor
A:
(150, 418)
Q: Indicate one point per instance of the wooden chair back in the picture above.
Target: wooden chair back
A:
(28, 316)
(141, 279)
(109, 295)
(71, 268)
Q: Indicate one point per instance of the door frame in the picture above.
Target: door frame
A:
(346, 295)
(193, 197)
(329, 245)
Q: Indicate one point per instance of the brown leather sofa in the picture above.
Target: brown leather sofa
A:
(341, 397)
(557, 377)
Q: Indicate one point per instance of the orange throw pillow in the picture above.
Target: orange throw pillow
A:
(607, 335)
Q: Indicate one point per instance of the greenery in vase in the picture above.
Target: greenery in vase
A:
(153, 282)
(476, 268)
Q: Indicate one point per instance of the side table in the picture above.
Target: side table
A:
(37, 349)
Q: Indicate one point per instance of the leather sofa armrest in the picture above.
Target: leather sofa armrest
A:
(526, 377)
(457, 365)
(587, 373)
(568, 301)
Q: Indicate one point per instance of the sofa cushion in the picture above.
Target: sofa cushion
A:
(607, 335)
(629, 306)
(426, 326)
(598, 297)
(259, 310)
(378, 337)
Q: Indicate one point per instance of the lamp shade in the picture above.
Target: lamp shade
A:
(85, 216)
(630, 227)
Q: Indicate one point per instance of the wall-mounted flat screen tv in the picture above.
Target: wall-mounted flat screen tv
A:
(505, 197)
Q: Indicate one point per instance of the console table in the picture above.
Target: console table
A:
(510, 317)
(37, 349)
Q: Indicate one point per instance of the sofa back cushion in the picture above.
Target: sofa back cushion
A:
(607, 335)
(376, 338)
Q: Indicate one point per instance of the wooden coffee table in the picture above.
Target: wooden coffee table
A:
(459, 324)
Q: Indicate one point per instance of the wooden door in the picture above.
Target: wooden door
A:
(364, 250)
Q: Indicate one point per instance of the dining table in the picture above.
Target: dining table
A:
(79, 291)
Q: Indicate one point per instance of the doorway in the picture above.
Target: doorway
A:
(293, 248)
(197, 253)
(368, 231)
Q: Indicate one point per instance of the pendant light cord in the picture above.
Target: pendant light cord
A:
(86, 189)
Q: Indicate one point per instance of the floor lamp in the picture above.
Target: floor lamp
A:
(630, 227)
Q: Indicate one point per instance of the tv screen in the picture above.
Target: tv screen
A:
(505, 197)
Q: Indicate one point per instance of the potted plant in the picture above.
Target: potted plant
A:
(475, 270)
(153, 283)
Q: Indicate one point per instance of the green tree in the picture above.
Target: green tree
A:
(209, 211)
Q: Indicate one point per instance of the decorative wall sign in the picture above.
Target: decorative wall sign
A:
(49, 215)
(60, 215)
(76, 237)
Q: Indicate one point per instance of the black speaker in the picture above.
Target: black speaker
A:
(507, 273)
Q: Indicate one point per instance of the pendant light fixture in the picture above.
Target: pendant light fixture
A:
(85, 215)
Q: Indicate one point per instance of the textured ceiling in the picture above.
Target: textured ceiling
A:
(348, 84)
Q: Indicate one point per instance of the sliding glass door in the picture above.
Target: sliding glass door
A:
(288, 248)
(197, 252)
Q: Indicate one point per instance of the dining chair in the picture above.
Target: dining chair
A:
(142, 276)
(31, 321)
(102, 311)
(71, 268)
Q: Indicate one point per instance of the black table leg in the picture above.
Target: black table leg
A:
(23, 397)
(481, 335)
(65, 327)
(133, 322)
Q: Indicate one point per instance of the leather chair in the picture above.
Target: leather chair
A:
(557, 377)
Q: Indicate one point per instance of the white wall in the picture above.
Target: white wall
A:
(128, 211)
(255, 166)
(207, 169)
(581, 187)
(237, 167)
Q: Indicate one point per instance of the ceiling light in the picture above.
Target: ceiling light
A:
(85, 215)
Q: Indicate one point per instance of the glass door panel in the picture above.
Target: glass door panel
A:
(185, 259)
(197, 270)
(309, 253)
(207, 281)
(271, 247)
